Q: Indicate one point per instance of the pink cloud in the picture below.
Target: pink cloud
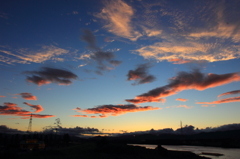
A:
(2, 96)
(229, 93)
(13, 109)
(80, 116)
(181, 99)
(226, 100)
(37, 108)
(27, 96)
(185, 81)
(115, 110)
(184, 106)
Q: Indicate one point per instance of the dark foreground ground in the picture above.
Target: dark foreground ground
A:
(96, 151)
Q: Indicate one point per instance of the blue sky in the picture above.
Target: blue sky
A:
(81, 60)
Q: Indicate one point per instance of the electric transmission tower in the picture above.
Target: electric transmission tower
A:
(30, 124)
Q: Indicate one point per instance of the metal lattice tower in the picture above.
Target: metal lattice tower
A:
(30, 124)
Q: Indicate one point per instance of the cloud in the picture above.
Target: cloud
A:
(140, 74)
(229, 93)
(145, 100)
(10, 104)
(26, 56)
(13, 109)
(98, 55)
(72, 131)
(79, 116)
(181, 99)
(49, 75)
(115, 110)
(38, 108)
(184, 106)
(185, 81)
(2, 96)
(118, 17)
(207, 31)
(27, 96)
(187, 51)
(5, 129)
(226, 100)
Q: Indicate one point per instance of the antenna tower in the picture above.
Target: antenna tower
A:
(30, 124)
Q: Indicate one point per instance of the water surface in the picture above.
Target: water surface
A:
(228, 153)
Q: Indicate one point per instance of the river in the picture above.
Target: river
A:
(228, 153)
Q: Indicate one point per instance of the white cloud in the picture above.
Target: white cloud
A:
(26, 56)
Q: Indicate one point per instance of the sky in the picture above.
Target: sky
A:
(119, 65)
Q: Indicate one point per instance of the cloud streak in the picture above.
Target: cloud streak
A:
(27, 96)
(49, 75)
(140, 74)
(185, 81)
(226, 100)
(181, 99)
(229, 93)
(26, 56)
(114, 110)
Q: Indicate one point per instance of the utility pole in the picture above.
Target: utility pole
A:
(30, 124)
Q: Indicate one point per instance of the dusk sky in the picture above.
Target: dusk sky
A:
(129, 65)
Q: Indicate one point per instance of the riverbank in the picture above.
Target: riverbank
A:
(107, 151)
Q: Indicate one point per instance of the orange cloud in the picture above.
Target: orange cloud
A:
(38, 108)
(2, 96)
(13, 109)
(179, 61)
(229, 93)
(181, 99)
(27, 96)
(204, 105)
(226, 100)
(80, 116)
(185, 81)
(115, 110)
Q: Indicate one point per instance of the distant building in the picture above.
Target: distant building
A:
(31, 144)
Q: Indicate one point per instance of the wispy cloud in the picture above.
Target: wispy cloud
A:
(207, 31)
(184, 106)
(118, 17)
(98, 55)
(185, 81)
(27, 56)
(140, 74)
(226, 100)
(27, 96)
(49, 75)
(229, 93)
(2, 96)
(114, 110)
(37, 108)
(181, 99)
(188, 51)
